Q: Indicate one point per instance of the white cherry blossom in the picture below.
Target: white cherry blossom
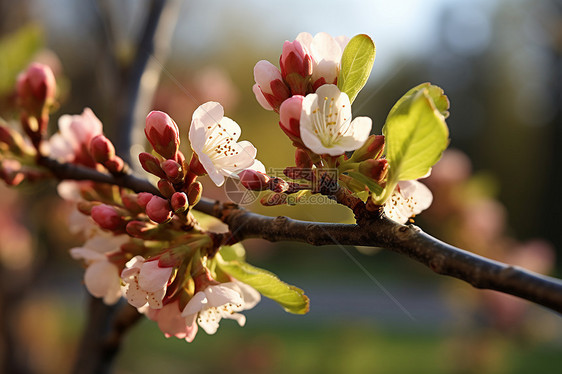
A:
(221, 301)
(409, 198)
(101, 276)
(326, 52)
(145, 282)
(73, 139)
(214, 138)
(325, 123)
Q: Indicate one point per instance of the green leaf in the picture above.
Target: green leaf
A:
(416, 135)
(356, 65)
(373, 186)
(16, 50)
(234, 252)
(291, 298)
(436, 93)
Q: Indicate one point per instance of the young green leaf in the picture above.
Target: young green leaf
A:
(436, 93)
(291, 298)
(416, 135)
(356, 65)
(235, 252)
(373, 186)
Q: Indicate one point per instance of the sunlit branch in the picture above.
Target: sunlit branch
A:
(370, 230)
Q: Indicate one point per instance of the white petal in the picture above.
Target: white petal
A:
(231, 128)
(197, 302)
(258, 166)
(342, 40)
(104, 242)
(240, 318)
(325, 69)
(136, 262)
(360, 129)
(412, 198)
(216, 176)
(324, 47)
(208, 114)
(60, 148)
(260, 98)
(81, 253)
(135, 296)
(305, 39)
(152, 277)
(250, 295)
(221, 295)
(331, 90)
(101, 277)
(311, 140)
(417, 191)
(227, 165)
(155, 298)
(113, 294)
(264, 73)
(209, 320)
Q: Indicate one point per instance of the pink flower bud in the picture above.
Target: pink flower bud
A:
(143, 198)
(158, 209)
(166, 188)
(372, 148)
(195, 166)
(85, 207)
(115, 165)
(101, 149)
(254, 180)
(374, 169)
(130, 202)
(107, 217)
(271, 84)
(162, 133)
(296, 67)
(171, 168)
(151, 164)
(179, 202)
(36, 87)
(289, 117)
(142, 230)
(194, 192)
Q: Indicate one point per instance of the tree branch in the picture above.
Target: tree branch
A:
(370, 230)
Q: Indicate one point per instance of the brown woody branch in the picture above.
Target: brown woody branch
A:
(370, 230)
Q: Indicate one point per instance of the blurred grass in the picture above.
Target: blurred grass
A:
(352, 348)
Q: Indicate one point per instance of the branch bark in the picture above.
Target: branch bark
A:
(370, 230)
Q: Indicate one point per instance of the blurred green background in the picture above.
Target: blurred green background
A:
(498, 61)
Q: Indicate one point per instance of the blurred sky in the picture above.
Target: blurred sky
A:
(401, 28)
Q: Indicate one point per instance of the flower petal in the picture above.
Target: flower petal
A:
(209, 319)
(260, 98)
(152, 277)
(216, 176)
(197, 302)
(221, 295)
(101, 277)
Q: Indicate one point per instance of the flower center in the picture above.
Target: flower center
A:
(328, 123)
(220, 143)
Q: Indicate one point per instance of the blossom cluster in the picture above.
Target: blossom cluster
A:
(148, 247)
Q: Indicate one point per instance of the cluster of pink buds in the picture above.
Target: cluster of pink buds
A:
(305, 64)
